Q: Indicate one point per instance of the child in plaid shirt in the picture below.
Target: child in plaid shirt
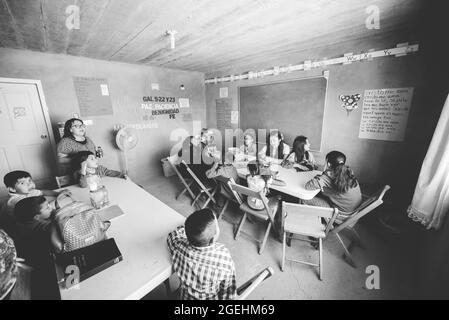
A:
(205, 268)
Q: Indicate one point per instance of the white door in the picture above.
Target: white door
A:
(24, 136)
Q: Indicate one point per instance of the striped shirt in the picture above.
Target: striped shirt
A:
(206, 273)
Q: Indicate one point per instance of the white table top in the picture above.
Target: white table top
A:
(140, 234)
(295, 181)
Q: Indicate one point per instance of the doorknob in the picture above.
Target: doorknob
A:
(43, 136)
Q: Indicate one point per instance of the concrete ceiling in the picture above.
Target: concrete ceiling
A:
(212, 36)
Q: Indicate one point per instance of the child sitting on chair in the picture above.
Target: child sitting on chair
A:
(89, 172)
(20, 186)
(226, 170)
(339, 187)
(33, 221)
(257, 182)
(248, 148)
(205, 268)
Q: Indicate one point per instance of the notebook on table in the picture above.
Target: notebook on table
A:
(109, 213)
(86, 262)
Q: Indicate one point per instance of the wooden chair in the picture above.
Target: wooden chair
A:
(307, 221)
(367, 206)
(248, 287)
(187, 183)
(64, 181)
(266, 214)
(226, 191)
(208, 190)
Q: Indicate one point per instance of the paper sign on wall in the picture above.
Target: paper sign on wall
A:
(91, 101)
(184, 103)
(155, 86)
(104, 89)
(385, 114)
(224, 92)
(234, 117)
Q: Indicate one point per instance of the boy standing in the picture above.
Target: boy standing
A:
(205, 268)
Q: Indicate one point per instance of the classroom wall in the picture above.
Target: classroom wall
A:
(128, 83)
(375, 162)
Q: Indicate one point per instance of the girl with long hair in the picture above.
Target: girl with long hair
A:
(301, 155)
(339, 187)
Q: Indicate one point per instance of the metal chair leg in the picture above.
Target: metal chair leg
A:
(196, 198)
(289, 239)
(267, 232)
(242, 221)
(348, 255)
(357, 238)
(225, 206)
(283, 250)
(320, 261)
(209, 198)
(181, 193)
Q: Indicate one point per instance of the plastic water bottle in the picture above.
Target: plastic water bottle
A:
(99, 152)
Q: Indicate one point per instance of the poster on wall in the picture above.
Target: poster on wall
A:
(224, 117)
(93, 96)
(385, 114)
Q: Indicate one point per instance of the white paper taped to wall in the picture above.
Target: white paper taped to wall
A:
(155, 86)
(104, 89)
(224, 92)
(385, 113)
(184, 103)
(234, 117)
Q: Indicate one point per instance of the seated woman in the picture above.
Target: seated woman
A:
(73, 141)
(301, 155)
(248, 148)
(276, 149)
(339, 187)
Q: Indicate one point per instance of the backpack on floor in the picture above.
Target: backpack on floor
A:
(77, 225)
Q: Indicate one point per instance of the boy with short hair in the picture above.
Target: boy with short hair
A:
(33, 227)
(34, 213)
(20, 186)
(205, 268)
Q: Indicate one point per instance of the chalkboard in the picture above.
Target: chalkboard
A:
(294, 107)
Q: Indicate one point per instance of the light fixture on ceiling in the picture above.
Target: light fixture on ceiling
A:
(171, 33)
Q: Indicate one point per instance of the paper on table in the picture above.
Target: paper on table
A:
(104, 89)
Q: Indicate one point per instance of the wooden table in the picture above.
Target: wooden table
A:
(140, 234)
(295, 181)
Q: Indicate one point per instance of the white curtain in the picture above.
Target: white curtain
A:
(430, 202)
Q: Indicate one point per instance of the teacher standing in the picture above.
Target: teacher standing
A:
(73, 141)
